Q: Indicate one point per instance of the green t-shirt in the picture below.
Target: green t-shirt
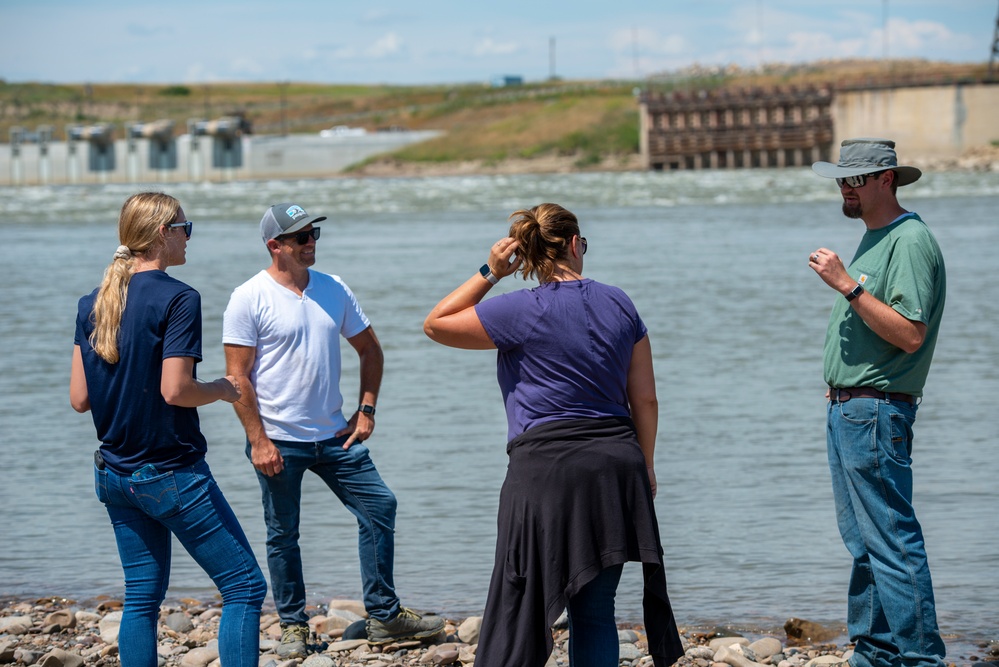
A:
(902, 266)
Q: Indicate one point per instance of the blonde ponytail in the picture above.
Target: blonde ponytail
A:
(138, 231)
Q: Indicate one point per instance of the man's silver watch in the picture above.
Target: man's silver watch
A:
(366, 409)
(855, 292)
(486, 273)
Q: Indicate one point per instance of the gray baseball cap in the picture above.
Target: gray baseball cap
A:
(864, 156)
(285, 219)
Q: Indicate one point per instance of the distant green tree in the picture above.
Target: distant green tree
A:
(176, 91)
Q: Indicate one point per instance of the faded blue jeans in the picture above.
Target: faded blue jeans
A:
(593, 640)
(189, 504)
(352, 476)
(891, 614)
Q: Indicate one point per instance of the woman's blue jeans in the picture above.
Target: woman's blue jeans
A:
(189, 504)
(593, 640)
(891, 614)
(352, 476)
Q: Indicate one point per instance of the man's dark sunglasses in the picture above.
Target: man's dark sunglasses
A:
(301, 238)
(856, 181)
(188, 226)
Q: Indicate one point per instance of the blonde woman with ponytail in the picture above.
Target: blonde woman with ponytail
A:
(574, 365)
(137, 345)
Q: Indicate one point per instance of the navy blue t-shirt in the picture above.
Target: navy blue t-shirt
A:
(162, 319)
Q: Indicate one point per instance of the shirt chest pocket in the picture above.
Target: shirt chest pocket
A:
(867, 277)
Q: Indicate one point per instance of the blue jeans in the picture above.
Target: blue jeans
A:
(891, 615)
(352, 476)
(189, 504)
(593, 640)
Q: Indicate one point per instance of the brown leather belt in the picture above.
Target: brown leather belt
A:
(843, 395)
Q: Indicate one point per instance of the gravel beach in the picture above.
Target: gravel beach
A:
(54, 632)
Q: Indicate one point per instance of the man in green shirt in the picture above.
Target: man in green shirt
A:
(878, 349)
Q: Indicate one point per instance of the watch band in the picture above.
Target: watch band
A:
(486, 273)
(855, 292)
(366, 409)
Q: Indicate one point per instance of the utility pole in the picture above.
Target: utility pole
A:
(995, 50)
(551, 58)
(634, 52)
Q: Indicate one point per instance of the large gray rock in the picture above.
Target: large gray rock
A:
(64, 619)
(199, 657)
(60, 658)
(700, 652)
(353, 606)
(15, 625)
(765, 647)
(724, 642)
(469, 629)
(628, 651)
(109, 626)
(179, 622)
(27, 656)
(627, 636)
(447, 657)
(730, 655)
(319, 660)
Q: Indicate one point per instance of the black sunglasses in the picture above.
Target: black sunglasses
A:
(187, 225)
(301, 238)
(856, 181)
(582, 239)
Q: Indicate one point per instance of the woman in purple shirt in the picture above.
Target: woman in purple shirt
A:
(574, 366)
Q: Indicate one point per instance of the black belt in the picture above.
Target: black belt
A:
(845, 394)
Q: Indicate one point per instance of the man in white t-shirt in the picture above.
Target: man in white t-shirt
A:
(281, 333)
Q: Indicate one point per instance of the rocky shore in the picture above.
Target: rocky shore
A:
(62, 633)
(979, 159)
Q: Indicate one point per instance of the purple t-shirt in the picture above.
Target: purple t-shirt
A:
(564, 351)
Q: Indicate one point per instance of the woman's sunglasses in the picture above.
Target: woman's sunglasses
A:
(187, 225)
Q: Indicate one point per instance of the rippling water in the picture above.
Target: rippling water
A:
(717, 265)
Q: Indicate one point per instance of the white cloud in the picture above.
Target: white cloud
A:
(385, 46)
(198, 73)
(245, 67)
(487, 47)
(646, 42)
(916, 37)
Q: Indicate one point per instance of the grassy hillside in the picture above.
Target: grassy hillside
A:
(588, 122)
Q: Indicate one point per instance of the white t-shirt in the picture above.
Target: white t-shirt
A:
(296, 373)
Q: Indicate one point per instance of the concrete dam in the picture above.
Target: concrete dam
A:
(220, 152)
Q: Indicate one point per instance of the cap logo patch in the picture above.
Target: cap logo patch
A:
(295, 212)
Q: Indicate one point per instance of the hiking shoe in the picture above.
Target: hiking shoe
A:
(294, 640)
(407, 624)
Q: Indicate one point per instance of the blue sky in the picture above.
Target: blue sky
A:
(456, 41)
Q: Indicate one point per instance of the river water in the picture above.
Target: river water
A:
(717, 265)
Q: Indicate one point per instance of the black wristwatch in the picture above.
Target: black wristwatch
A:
(486, 273)
(855, 292)
(366, 409)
